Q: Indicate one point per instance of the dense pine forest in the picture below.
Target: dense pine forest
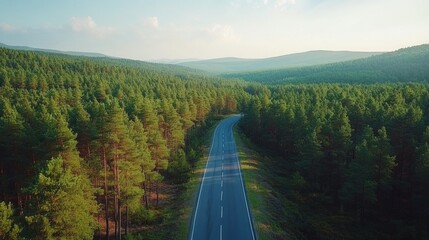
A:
(87, 144)
(352, 160)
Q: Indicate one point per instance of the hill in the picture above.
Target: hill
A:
(404, 65)
(229, 65)
(104, 59)
(72, 53)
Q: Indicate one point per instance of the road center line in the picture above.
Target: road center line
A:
(221, 183)
(221, 195)
(220, 236)
(242, 185)
(221, 212)
(202, 182)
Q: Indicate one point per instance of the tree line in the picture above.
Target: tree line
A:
(352, 160)
(86, 142)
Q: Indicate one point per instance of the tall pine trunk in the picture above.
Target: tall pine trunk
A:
(106, 202)
(126, 220)
(146, 193)
(98, 185)
(119, 220)
(126, 207)
(119, 203)
(115, 197)
(157, 193)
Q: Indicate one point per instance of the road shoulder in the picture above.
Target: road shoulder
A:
(261, 198)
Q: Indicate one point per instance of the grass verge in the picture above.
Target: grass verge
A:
(265, 206)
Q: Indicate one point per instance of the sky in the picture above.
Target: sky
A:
(203, 29)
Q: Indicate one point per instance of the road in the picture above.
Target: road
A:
(221, 211)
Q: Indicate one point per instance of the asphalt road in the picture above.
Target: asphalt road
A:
(221, 210)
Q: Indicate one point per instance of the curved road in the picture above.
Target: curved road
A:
(221, 211)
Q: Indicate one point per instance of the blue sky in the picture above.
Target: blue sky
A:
(178, 29)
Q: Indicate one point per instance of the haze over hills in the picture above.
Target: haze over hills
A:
(404, 65)
(231, 64)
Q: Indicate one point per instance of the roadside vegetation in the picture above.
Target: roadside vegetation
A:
(265, 205)
(351, 161)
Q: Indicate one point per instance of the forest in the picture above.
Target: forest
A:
(352, 161)
(86, 142)
(404, 65)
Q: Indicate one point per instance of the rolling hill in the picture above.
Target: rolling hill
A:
(171, 68)
(230, 65)
(404, 65)
(72, 53)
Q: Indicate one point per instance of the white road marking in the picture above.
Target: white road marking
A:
(221, 195)
(221, 183)
(202, 182)
(242, 186)
(221, 212)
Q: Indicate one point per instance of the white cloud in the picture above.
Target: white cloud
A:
(7, 27)
(175, 40)
(153, 21)
(224, 33)
(283, 3)
(150, 23)
(87, 24)
(82, 23)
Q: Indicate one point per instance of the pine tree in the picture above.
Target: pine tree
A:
(12, 147)
(421, 180)
(80, 123)
(360, 185)
(58, 139)
(99, 161)
(171, 127)
(157, 146)
(336, 146)
(119, 150)
(135, 180)
(179, 168)
(309, 159)
(8, 228)
(385, 163)
(61, 207)
(185, 115)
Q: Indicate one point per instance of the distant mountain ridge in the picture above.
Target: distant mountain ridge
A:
(319, 57)
(404, 65)
(72, 53)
